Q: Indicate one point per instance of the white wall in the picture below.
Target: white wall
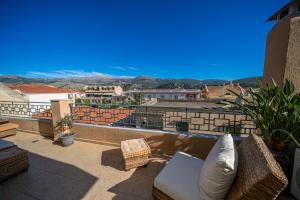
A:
(164, 96)
(47, 97)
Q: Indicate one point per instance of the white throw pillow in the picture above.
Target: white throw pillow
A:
(219, 169)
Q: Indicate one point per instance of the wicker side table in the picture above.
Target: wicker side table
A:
(135, 153)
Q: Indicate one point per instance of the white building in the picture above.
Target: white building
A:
(167, 94)
(44, 93)
(103, 94)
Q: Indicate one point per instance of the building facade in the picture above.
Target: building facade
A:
(44, 93)
(167, 94)
(225, 91)
(282, 60)
(103, 94)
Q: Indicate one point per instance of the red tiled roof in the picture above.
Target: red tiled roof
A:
(33, 89)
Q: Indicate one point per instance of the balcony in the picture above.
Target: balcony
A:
(93, 167)
(81, 171)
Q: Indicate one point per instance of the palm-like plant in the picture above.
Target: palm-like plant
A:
(65, 125)
(276, 112)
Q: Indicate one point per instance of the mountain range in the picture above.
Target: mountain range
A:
(127, 83)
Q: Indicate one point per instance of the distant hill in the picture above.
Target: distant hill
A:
(128, 83)
(248, 82)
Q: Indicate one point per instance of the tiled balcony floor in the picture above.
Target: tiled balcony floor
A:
(80, 171)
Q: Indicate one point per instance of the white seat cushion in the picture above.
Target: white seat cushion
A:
(219, 169)
(180, 178)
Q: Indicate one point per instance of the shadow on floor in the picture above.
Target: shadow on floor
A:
(139, 184)
(113, 158)
(48, 179)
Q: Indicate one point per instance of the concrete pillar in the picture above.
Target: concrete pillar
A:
(59, 108)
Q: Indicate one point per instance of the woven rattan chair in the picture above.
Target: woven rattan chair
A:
(259, 176)
(13, 160)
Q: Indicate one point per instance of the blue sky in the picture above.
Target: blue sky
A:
(199, 39)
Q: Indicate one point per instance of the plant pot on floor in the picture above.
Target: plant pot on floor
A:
(67, 139)
(285, 160)
(295, 186)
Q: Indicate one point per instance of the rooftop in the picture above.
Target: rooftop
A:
(80, 171)
(192, 104)
(8, 94)
(39, 89)
(164, 90)
(285, 10)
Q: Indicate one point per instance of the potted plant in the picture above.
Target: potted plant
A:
(64, 126)
(182, 126)
(275, 111)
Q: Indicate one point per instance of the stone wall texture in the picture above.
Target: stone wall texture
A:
(276, 50)
(292, 70)
(282, 59)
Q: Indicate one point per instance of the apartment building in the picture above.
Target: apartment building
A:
(225, 91)
(167, 94)
(103, 94)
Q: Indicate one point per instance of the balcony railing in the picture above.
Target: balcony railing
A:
(194, 120)
(25, 109)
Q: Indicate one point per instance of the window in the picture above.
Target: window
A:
(298, 7)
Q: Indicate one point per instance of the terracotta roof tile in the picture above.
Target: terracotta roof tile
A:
(33, 89)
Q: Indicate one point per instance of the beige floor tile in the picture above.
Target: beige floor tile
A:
(80, 171)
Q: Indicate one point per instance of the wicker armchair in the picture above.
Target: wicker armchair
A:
(259, 176)
(13, 160)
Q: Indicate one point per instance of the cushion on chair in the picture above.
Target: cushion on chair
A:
(218, 170)
(179, 179)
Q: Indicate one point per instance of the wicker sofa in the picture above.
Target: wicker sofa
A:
(259, 176)
(13, 160)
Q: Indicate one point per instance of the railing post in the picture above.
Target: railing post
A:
(12, 108)
(147, 119)
(186, 117)
(59, 108)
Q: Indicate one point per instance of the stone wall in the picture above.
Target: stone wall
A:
(292, 70)
(276, 50)
(282, 59)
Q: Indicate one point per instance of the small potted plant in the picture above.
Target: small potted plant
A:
(64, 126)
(182, 126)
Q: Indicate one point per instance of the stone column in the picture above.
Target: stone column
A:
(59, 108)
